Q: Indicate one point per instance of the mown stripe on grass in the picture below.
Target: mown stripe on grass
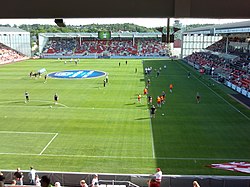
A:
(217, 94)
(128, 157)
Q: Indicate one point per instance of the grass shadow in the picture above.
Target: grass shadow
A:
(141, 105)
(142, 118)
(130, 104)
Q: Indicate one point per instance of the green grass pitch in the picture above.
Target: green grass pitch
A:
(105, 130)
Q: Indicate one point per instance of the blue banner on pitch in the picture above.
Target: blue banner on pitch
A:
(77, 74)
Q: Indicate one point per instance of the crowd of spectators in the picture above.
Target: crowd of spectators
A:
(206, 59)
(235, 69)
(235, 46)
(9, 55)
(18, 179)
(114, 47)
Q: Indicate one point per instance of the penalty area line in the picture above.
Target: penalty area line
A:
(48, 144)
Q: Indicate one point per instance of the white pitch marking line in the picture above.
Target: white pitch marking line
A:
(157, 158)
(41, 101)
(13, 101)
(121, 157)
(19, 154)
(48, 144)
(218, 95)
(19, 106)
(13, 132)
(152, 137)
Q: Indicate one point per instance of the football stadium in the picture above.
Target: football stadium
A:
(118, 105)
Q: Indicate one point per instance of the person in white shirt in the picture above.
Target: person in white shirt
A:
(196, 184)
(95, 182)
(38, 183)
(155, 181)
(158, 175)
(57, 184)
(32, 175)
(83, 183)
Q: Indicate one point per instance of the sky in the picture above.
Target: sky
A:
(146, 22)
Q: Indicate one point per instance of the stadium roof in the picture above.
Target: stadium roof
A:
(126, 9)
(11, 29)
(95, 35)
(239, 27)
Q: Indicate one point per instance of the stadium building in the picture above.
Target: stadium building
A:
(16, 39)
(198, 39)
(222, 51)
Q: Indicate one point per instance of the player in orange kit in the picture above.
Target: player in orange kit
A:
(171, 88)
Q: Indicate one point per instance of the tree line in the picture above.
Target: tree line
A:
(35, 29)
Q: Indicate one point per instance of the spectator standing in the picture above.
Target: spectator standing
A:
(38, 183)
(158, 175)
(13, 182)
(57, 184)
(32, 175)
(196, 184)
(153, 183)
(18, 176)
(2, 178)
(83, 183)
(45, 181)
(95, 182)
(156, 180)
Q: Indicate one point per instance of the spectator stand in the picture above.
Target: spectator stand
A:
(8, 55)
(87, 45)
